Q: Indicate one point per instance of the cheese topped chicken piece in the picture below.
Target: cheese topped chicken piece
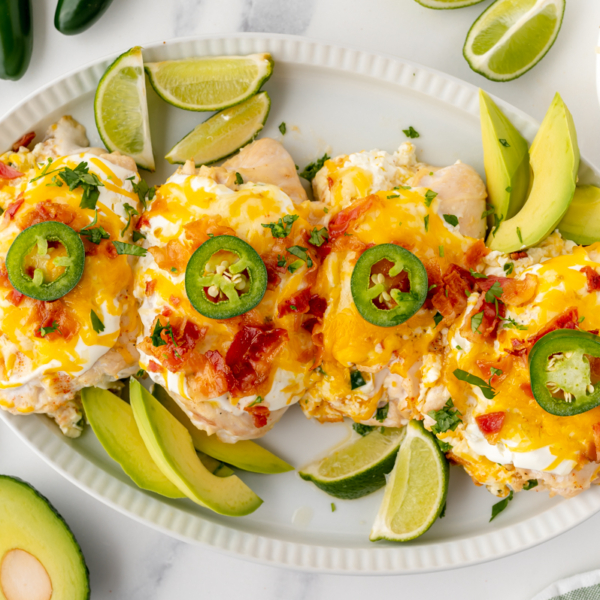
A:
(50, 350)
(234, 377)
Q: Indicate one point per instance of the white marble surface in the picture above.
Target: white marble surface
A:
(128, 560)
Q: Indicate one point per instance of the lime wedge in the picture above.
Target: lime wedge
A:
(224, 133)
(209, 83)
(121, 109)
(446, 4)
(358, 468)
(416, 490)
(512, 36)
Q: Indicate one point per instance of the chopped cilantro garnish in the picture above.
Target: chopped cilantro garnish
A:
(302, 254)
(494, 293)
(451, 220)
(140, 373)
(429, 197)
(362, 429)
(256, 401)
(314, 167)
(88, 182)
(283, 128)
(282, 227)
(426, 222)
(486, 389)
(477, 275)
(497, 222)
(444, 447)
(131, 249)
(94, 234)
(144, 192)
(156, 334)
(382, 413)
(356, 380)
(138, 235)
(500, 506)
(293, 267)
(318, 236)
(530, 484)
(130, 213)
(446, 419)
(509, 268)
(280, 261)
(97, 324)
(44, 331)
(509, 189)
(238, 178)
(438, 318)
(476, 322)
(441, 251)
(411, 133)
(519, 235)
(393, 196)
(504, 142)
(510, 323)
(332, 507)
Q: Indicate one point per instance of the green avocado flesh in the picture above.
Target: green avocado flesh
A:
(114, 425)
(172, 449)
(245, 454)
(39, 557)
(506, 162)
(580, 224)
(554, 158)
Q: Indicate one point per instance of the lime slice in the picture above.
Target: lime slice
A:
(416, 490)
(224, 133)
(512, 36)
(121, 109)
(358, 468)
(446, 4)
(209, 83)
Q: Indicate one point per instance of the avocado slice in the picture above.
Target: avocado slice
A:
(39, 557)
(114, 425)
(554, 157)
(245, 454)
(506, 160)
(580, 224)
(171, 447)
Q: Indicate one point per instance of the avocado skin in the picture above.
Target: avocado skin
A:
(580, 224)
(38, 505)
(245, 454)
(554, 157)
(506, 167)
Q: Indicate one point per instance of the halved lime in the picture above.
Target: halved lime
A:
(446, 4)
(416, 490)
(512, 36)
(358, 468)
(121, 109)
(224, 133)
(209, 83)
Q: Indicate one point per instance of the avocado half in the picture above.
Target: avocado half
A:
(580, 224)
(505, 158)
(39, 556)
(554, 159)
(245, 454)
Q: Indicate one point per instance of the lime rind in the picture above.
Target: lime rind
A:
(416, 490)
(223, 134)
(210, 83)
(358, 468)
(121, 109)
(481, 30)
(447, 4)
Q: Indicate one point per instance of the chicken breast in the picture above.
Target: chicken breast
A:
(51, 350)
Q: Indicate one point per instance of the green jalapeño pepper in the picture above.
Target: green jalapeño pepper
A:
(561, 378)
(34, 271)
(225, 278)
(75, 16)
(389, 285)
(16, 38)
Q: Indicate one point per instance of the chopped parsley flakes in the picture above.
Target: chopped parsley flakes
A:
(446, 419)
(314, 167)
(411, 133)
(318, 236)
(97, 323)
(362, 429)
(282, 227)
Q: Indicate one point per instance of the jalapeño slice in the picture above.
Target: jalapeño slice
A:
(36, 266)
(225, 278)
(389, 285)
(563, 381)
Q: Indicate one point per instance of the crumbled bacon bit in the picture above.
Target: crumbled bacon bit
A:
(150, 287)
(341, 222)
(518, 255)
(475, 253)
(297, 304)
(13, 207)
(45, 314)
(566, 320)
(526, 389)
(450, 296)
(7, 172)
(154, 367)
(175, 300)
(250, 356)
(593, 279)
(48, 211)
(491, 423)
(23, 141)
(260, 415)
(329, 182)
(111, 250)
(514, 291)
(318, 306)
(15, 297)
(503, 364)
(310, 324)
(173, 255)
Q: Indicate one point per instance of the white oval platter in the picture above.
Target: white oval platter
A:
(338, 100)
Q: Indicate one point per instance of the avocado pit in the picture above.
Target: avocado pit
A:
(23, 577)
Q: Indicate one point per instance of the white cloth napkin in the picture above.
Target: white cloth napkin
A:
(585, 586)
